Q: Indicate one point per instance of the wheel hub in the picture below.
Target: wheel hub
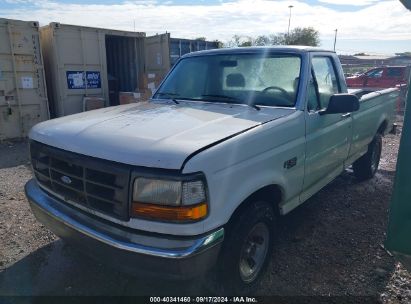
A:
(254, 252)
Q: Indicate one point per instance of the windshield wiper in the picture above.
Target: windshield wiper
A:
(170, 95)
(232, 99)
(254, 106)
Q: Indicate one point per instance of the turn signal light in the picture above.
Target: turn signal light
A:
(169, 213)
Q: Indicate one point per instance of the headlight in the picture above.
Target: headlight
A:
(156, 191)
(169, 199)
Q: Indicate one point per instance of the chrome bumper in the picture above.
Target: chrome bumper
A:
(147, 253)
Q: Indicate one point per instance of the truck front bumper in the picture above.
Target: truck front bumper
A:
(126, 249)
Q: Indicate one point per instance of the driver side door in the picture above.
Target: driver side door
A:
(328, 136)
(374, 78)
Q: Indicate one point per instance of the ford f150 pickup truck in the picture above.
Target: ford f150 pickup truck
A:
(192, 181)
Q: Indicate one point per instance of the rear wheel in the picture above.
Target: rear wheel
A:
(247, 249)
(366, 166)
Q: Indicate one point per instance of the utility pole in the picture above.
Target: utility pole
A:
(289, 23)
(335, 38)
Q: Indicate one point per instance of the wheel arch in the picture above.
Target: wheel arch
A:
(272, 194)
(382, 127)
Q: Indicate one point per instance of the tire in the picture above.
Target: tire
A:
(247, 250)
(366, 166)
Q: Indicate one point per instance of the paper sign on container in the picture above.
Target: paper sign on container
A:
(27, 82)
(78, 80)
(83, 80)
(159, 59)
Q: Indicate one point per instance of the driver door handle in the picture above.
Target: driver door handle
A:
(345, 116)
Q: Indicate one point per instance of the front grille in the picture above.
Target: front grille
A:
(97, 184)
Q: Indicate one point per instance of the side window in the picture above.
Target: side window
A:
(374, 73)
(394, 72)
(327, 81)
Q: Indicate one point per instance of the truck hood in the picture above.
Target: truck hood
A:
(151, 134)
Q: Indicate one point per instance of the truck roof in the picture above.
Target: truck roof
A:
(259, 49)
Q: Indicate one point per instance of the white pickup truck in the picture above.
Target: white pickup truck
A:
(194, 179)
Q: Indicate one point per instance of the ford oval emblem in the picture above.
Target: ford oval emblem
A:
(66, 179)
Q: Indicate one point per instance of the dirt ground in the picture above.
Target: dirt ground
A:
(330, 246)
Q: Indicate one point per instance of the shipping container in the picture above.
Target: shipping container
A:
(157, 55)
(173, 48)
(163, 51)
(180, 47)
(23, 93)
(84, 62)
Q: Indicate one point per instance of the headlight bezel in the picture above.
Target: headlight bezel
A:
(174, 176)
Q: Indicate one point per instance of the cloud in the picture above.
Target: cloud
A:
(18, 1)
(350, 2)
(384, 20)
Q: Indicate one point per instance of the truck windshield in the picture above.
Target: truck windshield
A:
(253, 79)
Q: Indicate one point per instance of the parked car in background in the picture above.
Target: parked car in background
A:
(380, 78)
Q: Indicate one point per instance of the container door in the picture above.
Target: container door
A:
(157, 60)
(23, 98)
(79, 66)
(399, 227)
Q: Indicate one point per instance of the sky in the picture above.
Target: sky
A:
(371, 26)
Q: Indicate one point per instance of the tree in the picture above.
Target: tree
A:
(403, 54)
(262, 40)
(277, 39)
(298, 36)
(240, 41)
(303, 36)
(247, 42)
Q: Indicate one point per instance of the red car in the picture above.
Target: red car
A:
(382, 77)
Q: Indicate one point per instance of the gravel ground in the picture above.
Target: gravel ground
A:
(330, 246)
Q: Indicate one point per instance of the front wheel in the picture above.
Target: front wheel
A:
(247, 249)
(366, 166)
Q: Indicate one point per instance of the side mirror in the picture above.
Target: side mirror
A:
(342, 103)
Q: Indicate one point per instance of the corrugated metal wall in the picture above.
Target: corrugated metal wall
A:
(125, 65)
(122, 62)
(180, 47)
(23, 97)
